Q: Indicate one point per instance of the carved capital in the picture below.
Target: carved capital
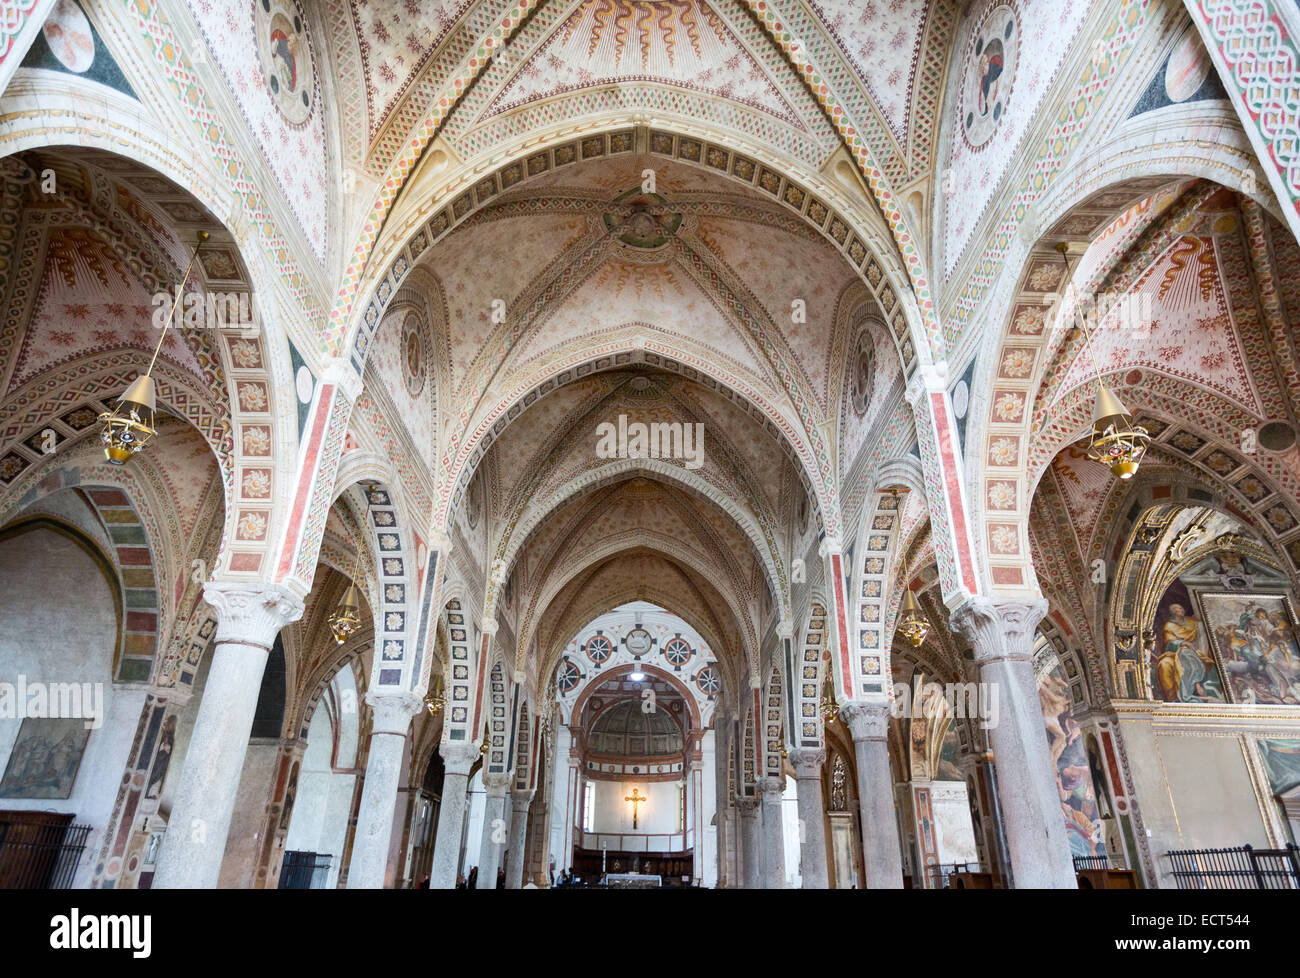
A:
(867, 719)
(999, 629)
(495, 783)
(440, 541)
(488, 626)
(785, 629)
(458, 758)
(521, 799)
(251, 613)
(392, 712)
(339, 372)
(747, 805)
(829, 546)
(772, 788)
(807, 762)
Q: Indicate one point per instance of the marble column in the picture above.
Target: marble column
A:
(807, 764)
(457, 759)
(752, 858)
(518, 833)
(1002, 633)
(249, 616)
(882, 855)
(391, 720)
(494, 829)
(706, 808)
(773, 833)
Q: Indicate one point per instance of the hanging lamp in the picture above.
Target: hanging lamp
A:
(912, 624)
(1116, 441)
(346, 618)
(129, 427)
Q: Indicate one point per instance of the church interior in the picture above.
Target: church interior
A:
(746, 444)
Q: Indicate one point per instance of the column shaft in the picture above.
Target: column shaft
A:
(392, 719)
(248, 619)
(752, 859)
(812, 818)
(773, 834)
(882, 855)
(1003, 635)
(518, 833)
(457, 760)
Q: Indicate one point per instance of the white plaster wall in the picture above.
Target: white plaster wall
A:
(58, 623)
(658, 816)
(319, 822)
(954, 833)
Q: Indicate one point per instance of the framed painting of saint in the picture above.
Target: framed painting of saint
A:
(1254, 639)
(45, 758)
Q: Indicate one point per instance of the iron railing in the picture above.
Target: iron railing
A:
(305, 870)
(1091, 862)
(40, 854)
(1240, 868)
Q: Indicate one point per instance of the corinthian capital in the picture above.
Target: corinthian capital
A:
(747, 805)
(867, 720)
(999, 629)
(251, 613)
(807, 762)
(392, 712)
(458, 758)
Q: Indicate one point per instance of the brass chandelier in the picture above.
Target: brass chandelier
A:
(1116, 441)
(346, 617)
(435, 700)
(129, 427)
(912, 624)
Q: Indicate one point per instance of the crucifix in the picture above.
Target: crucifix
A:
(635, 799)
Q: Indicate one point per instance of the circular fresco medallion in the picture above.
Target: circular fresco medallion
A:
(67, 32)
(677, 652)
(639, 641)
(862, 380)
(286, 58)
(990, 70)
(599, 648)
(1186, 68)
(413, 368)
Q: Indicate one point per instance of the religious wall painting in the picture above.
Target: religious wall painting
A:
(162, 759)
(1254, 636)
(946, 768)
(286, 58)
(1182, 666)
(862, 367)
(990, 72)
(1281, 760)
(412, 354)
(1104, 807)
(1065, 744)
(45, 758)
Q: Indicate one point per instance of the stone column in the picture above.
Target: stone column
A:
(752, 860)
(707, 818)
(249, 616)
(391, 716)
(494, 829)
(882, 856)
(521, 800)
(773, 835)
(807, 764)
(457, 759)
(1003, 635)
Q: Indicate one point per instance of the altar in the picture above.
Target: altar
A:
(632, 881)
